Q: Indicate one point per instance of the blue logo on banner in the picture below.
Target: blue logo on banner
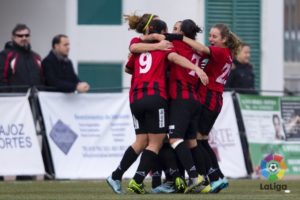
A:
(63, 136)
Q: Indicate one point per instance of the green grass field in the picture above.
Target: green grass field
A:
(92, 190)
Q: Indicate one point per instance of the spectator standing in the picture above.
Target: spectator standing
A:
(241, 77)
(20, 67)
(59, 71)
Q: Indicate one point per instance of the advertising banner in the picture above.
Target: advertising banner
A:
(261, 116)
(272, 126)
(225, 141)
(289, 150)
(87, 133)
(290, 111)
(20, 153)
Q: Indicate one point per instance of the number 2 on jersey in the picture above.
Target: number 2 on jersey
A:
(145, 62)
(223, 77)
(196, 60)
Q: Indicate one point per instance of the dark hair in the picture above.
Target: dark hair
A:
(233, 42)
(19, 27)
(190, 28)
(157, 26)
(57, 38)
(138, 23)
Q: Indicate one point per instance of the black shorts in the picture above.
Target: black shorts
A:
(206, 120)
(150, 115)
(183, 118)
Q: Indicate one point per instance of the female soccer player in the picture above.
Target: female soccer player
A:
(183, 95)
(140, 24)
(223, 45)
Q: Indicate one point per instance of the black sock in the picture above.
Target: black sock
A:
(214, 160)
(156, 173)
(156, 179)
(205, 154)
(128, 159)
(213, 174)
(146, 164)
(186, 159)
(180, 168)
(199, 160)
(169, 176)
(167, 157)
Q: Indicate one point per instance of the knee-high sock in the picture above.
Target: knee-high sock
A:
(168, 159)
(199, 160)
(128, 159)
(212, 155)
(186, 159)
(156, 173)
(205, 154)
(146, 164)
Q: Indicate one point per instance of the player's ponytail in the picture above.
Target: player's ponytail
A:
(139, 23)
(234, 43)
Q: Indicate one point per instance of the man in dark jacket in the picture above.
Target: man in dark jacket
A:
(20, 67)
(58, 68)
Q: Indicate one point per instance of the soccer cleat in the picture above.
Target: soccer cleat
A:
(134, 187)
(204, 188)
(221, 184)
(195, 184)
(217, 186)
(225, 183)
(165, 188)
(180, 185)
(115, 185)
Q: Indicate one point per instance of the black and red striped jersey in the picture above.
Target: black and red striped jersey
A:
(149, 74)
(183, 81)
(218, 67)
(211, 99)
(217, 70)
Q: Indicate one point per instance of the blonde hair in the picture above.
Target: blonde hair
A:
(139, 23)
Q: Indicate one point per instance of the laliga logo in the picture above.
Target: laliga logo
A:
(273, 167)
